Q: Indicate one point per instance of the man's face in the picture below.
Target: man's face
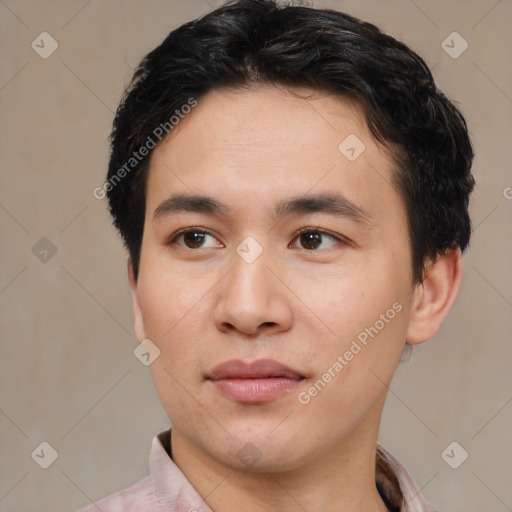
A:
(252, 287)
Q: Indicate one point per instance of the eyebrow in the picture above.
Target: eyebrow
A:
(329, 203)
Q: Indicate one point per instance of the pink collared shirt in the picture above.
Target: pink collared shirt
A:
(167, 489)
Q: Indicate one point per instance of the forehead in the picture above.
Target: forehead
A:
(259, 146)
(260, 120)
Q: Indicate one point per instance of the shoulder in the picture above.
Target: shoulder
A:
(139, 497)
(396, 480)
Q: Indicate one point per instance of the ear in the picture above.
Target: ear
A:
(137, 313)
(435, 296)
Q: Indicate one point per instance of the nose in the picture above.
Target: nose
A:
(253, 298)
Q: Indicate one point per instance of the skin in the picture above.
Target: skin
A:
(301, 303)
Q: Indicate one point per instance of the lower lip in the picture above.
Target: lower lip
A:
(255, 391)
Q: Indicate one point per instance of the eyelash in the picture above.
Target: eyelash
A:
(173, 239)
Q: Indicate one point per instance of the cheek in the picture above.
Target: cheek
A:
(355, 365)
(344, 304)
(174, 322)
(174, 326)
(168, 303)
(363, 320)
(174, 391)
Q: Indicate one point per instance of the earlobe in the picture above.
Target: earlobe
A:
(435, 296)
(138, 321)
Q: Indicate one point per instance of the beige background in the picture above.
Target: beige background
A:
(67, 370)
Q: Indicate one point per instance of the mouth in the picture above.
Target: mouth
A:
(257, 382)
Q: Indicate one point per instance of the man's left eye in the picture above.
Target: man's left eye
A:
(314, 237)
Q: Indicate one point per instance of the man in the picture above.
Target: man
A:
(292, 189)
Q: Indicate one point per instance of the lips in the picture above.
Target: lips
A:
(254, 383)
(261, 369)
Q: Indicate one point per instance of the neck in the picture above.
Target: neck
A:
(341, 479)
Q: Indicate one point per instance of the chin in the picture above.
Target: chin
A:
(256, 449)
(260, 458)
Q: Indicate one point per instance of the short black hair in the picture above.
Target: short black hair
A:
(247, 43)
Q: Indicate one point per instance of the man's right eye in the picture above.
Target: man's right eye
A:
(193, 238)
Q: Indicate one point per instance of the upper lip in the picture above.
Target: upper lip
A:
(260, 369)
